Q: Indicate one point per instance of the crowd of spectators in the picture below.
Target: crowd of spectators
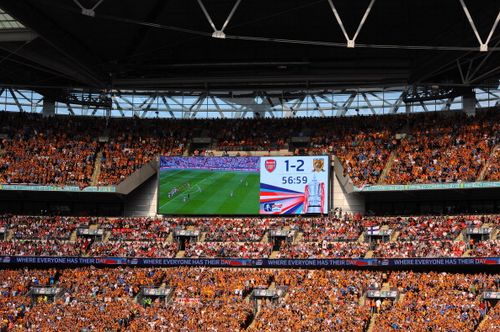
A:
(338, 236)
(331, 229)
(324, 250)
(228, 249)
(38, 150)
(493, 170)
(318, 301)
(430, 147)
(131, 143)
(437, 302)
(445, 149)
(234, 229)
(104, 299)
(40, 228)
(488, 248)
(139, 228)
(208, 163)
(211, 299)
(435, 248)
(427, 228)
(136, 248)
(54, 247)
(492, 321)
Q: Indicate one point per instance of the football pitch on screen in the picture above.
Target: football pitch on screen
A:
(208, 192)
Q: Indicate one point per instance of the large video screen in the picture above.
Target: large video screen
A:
(243, 185)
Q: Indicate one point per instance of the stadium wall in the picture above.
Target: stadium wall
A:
(343, 197)
(142, 201)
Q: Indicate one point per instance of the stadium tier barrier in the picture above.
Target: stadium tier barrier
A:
(63, 261)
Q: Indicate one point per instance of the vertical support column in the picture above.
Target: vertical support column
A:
(49, 107)
(469, 103)
(408, 107)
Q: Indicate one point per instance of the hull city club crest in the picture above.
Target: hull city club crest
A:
(318, 165)
(270, 165)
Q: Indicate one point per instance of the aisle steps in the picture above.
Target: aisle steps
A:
(387, 168)
(73, 236)
(298, 238)
(372, 323)
(97, 169)
(482, 174)
(274, 254)
(395, 236)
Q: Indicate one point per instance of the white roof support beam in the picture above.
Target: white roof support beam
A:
(16, 100)
(348, 102)
(218, 33)
(483, 46)
(424, 106)
(335, 105)
(25, 97)
(292, 108)
(117, 104)
(488, 91)
(126, 100)
(167, 106)
(351, 42)
(447, 104)
(148, 106)
(217, 107)
(88, 11)
(70, 109)
(185, 109)
(384, 101)
(462, 77)
(313, 97)
(396, 105)
(370, 106)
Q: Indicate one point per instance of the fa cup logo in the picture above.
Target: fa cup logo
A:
(314, 200)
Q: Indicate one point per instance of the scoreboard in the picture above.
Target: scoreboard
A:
(243, 185)
(294, 185)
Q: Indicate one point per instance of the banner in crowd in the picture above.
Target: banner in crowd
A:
(243, 185)
(488, 295)
(260, 263)
(188, 300)
(427, 186)
(388, 294)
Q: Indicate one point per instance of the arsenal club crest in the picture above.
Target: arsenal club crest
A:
(270, 165)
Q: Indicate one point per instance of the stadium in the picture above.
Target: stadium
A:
(237, 165)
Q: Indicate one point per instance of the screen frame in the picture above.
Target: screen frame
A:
(328, 201)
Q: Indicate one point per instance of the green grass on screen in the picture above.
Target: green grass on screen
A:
(208, 192)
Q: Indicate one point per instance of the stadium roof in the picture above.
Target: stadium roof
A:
(7, 22)
(186, 45)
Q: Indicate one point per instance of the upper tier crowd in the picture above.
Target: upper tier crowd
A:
(420, 148)
(204, 299)
(344, 236)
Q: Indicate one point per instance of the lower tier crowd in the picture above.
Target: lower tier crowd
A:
(208, 299)
(341, 236)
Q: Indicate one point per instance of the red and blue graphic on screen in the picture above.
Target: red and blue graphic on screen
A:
(277, 200)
